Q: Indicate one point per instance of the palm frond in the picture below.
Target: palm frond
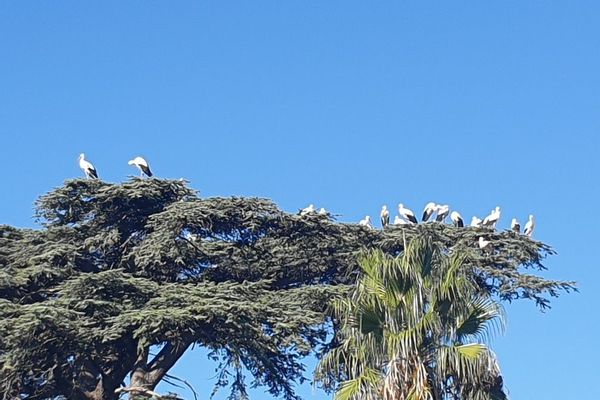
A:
(413, 327)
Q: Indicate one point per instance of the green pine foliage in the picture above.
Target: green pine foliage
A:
(118, 269)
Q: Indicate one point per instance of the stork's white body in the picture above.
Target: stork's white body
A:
(457, 219)
(515, 226)
(483, 243)
(428, 211)
(385, 216)
(407, 214)
(493, 218)
(308, 210)
(366, 221)
(399, 221)
(442, 212)
(529, 226)
(87, 167)
(142, 165)
(476, 221)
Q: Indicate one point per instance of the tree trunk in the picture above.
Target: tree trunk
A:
(93, 384)
(146, 376)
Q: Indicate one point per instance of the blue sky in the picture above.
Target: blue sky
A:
(344, 104)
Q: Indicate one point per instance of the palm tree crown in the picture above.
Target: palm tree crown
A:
(415, 328)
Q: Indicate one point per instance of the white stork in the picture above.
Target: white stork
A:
(529, 226)
(483, 243)
(366, 222)
(385, 216)
(406, 213)
(515, 226)
(399, 221)
(457, 219)
(428, 211)
(442, 212)
(308, 210)
(476, 221)
(142, 166)
(493, 218)
(87, 167)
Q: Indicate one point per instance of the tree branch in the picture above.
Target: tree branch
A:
(141, 391)
(166, 358)
(186, 383)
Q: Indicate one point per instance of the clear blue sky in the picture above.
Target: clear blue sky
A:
(348, 105)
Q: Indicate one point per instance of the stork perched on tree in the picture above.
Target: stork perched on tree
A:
(428, 211)
(142, 166)
(483, 244)
(87, 167)
(476, 221)
(406, 213)
(385, 216)
(308, 210)
(515, 226)
(442, 212)
(399, 221)
(529, 226)
(492, 218)
(457, 219)
(366, 221)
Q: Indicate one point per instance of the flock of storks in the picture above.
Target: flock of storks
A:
(91, 173)
(407, 217)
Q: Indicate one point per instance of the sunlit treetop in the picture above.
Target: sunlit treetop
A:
(118, 269)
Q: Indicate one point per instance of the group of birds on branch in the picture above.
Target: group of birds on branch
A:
(311, 209)
(407, 217)
(91, 173)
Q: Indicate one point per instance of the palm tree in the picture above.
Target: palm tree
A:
(414, 328)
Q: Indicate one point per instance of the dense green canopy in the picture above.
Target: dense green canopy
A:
(120, 268)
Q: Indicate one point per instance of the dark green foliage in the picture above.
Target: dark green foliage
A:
(118, 268)
(499, 270)
(414, 327)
